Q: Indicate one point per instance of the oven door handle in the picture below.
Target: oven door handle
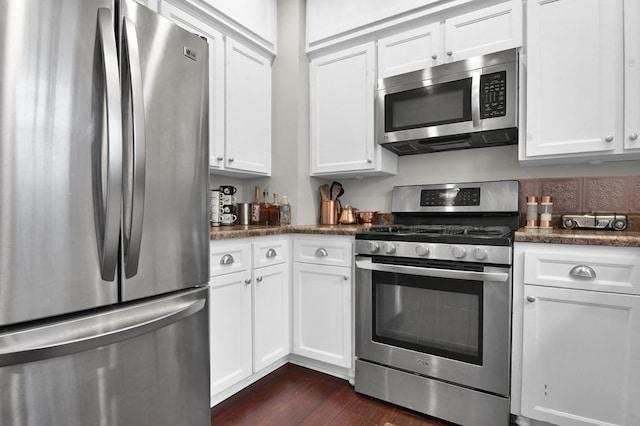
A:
(433, 272)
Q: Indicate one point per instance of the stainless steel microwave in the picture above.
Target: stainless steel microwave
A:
(459, 105)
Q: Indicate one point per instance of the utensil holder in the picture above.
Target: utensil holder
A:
(329, 213)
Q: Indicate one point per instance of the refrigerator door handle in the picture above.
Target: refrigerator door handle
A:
(69, 337)
(135, 150)
(107, 186)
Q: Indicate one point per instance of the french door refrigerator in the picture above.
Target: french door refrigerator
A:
(104, 242)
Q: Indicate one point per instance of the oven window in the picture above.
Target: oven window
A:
(437, 316)
(434, 105)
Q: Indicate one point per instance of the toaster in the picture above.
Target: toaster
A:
(594, 221)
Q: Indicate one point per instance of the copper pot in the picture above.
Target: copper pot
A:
(349, 215)
(367, 217)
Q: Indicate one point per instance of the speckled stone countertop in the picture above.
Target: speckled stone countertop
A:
(243, 231)
(580, 237)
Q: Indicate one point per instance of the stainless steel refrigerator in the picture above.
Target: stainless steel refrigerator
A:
(104, 242)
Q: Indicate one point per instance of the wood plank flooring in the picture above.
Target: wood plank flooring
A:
(294, 395)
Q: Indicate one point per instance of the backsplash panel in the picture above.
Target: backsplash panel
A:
(601, 194)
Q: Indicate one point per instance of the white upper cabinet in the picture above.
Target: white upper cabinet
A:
(582, 81)
(239, 97)
(632, 75)
(487, 30)
(248, 110)
(342, 90)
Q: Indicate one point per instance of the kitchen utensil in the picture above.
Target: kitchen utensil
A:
(325, 194)
(349, 215)
(336, 190)
(244, 213)
(367, 217)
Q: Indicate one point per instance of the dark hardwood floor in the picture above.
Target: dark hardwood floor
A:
(294, 395)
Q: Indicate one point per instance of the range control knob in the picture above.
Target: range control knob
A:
(373, 247)
(480, 253)
(422, 250)
(389, 248)
(458, 252)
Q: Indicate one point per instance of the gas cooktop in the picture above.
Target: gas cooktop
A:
(456, 234)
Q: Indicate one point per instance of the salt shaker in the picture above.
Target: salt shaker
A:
(546, 207)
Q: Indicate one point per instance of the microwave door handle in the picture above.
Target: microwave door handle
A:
(475, 100)
(432, 272)
(132, 72)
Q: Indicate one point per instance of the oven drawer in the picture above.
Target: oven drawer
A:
(324, 250)
(596, 268)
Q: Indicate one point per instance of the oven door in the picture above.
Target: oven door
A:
(450, 324)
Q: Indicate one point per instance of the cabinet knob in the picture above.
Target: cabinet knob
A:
(633, 136)
(369, 160)
(531, 299)
(259, 279)
(434, 56)
(227, 259)
(450, 53)
(345, 277)
(321, 253)
(247, 281)
(220, 158)
(271, 253)
(231, 159)
(608, 139)
(583, 272)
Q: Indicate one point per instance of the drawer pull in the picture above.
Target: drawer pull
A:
(227, 259)
(321, 253)
(271, 253)
(531, 299)
(583, 272)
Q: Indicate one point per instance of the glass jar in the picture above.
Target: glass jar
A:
(546, 207)
(532, 212)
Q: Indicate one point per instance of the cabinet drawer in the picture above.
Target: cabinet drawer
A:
(272, 252)
(227, 258)
(336, 251)
(609, 269)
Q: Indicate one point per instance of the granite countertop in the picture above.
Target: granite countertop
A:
(242, 231)
(580, 237)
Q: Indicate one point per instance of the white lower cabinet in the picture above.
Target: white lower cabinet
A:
(250, 311)
(576, 327)
(322, 299)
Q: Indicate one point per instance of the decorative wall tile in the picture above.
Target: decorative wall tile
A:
(634, 193)
(528, 187)
(606, 194)
(566, 193)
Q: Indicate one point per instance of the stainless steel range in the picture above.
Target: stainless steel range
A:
(433, 301)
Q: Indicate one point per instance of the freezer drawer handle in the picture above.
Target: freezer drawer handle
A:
(65, 338)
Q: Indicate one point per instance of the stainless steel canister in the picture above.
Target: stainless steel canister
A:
(244, 213)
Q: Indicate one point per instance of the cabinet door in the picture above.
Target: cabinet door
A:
(632, 75)
(270, 315)
(322, 313)
(482, 31)
(581, 357)
(409, 51)
(248, 110)
(230, 330)
(342, 93)
(574, 77)
(216, 77)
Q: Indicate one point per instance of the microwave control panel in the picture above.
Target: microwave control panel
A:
(493, 95)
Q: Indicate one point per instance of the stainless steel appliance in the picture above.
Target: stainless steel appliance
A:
(103, 216)
(433, 301)
(465, 104)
